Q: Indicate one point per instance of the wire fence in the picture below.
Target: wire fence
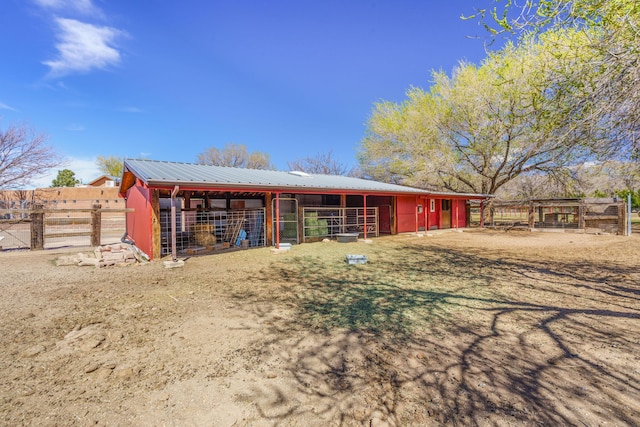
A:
(212, 229)
(320, 222)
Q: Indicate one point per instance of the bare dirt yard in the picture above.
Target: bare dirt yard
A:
(479, 328)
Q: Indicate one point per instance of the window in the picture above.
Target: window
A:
(419, 209)
(446, 205)
(432, 205)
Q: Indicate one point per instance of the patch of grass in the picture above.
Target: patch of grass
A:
(397, 294)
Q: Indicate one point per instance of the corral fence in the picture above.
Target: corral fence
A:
(29, 225)
(198, 229)
(606, 215)
(328, 222)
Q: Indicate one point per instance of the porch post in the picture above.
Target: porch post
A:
(457, 207)
(417, 216)
(427, 211)
(174, 253)
(277, 220)
(364, 196)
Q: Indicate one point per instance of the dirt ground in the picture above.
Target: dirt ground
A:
(479, 328)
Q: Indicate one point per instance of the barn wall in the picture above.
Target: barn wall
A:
(385, 212)
(433, 216)
(458, 213)
(139, 222)
(406, 214)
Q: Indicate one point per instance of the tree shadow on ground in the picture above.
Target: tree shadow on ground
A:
(428, 335)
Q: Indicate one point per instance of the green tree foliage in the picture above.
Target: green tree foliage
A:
(609, 81)
(110, 165)
(65, 178)
(635, 197)
(24, 156)
(484, 126)
(235, 155)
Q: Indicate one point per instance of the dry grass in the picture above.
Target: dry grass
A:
(481, 328)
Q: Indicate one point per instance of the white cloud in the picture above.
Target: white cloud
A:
(86, 170)
(83, 47)
(82, 7)
(4, 106)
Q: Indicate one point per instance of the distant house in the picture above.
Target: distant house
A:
(182, 206)
(104, 181)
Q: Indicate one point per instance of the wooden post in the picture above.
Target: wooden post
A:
(457, 214)
(277, 221)
(300, 217)
(531, 215)
(156, 227)
(540, 214)
(96, 224)
(467, 214)
(622, 224)
(427, 214)
(392, 213)
(37, 227)
(364, 202)
(343, 213)
(581, 212)
(417, 219)
(268, 209)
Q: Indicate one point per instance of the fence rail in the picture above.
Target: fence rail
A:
(40, 228)
(325, 222)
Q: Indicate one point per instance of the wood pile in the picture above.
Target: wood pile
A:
(104, 256)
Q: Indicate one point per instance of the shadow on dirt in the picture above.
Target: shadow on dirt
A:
(426, 335)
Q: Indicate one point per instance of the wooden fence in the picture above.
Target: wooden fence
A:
(38, 228)
(589, 215)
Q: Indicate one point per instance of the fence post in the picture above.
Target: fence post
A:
(531, 215)
(37, 227)
(622, 216)
(581, 213)
(96, 221)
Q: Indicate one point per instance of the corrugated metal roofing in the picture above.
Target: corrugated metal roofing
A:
(163, 173)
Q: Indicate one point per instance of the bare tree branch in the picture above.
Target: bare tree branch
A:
(24, 156)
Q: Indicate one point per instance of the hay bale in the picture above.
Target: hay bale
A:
(203, 234)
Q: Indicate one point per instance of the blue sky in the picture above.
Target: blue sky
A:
(167, 80)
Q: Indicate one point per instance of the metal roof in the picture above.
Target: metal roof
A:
(164, 174)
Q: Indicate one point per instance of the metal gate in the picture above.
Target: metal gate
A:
(285, 222)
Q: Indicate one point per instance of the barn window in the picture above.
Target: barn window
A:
(432, 206)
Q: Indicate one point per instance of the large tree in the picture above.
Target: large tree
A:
(110, 165)
(485, 125)
(235, 155)
(24, 156)
(612, 69)
(321, 163)
(65, 178)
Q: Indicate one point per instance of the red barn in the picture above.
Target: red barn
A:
(182, 206)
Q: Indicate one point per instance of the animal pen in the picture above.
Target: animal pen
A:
(204, 224)
(602, 215)
(189, 208)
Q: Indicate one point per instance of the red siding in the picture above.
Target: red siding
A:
(139, 225)
(434, 222)
(406, 214)
(458, 213)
